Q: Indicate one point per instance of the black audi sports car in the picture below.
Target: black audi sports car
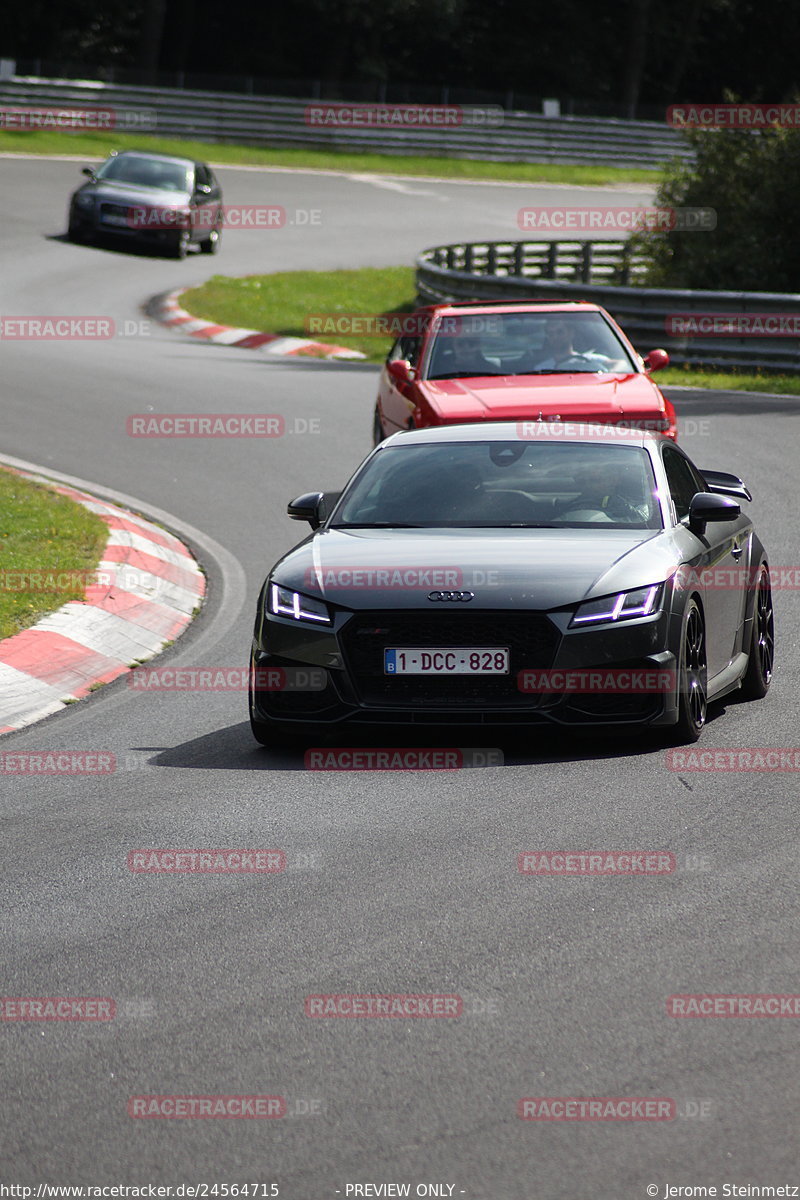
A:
(157, 199)
(515, 576)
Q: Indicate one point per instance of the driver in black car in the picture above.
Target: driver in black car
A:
(607, 494)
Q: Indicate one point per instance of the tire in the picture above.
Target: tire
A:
(692, 678)
(211, 244)
(758, 676)
(179, 244)
(76, 233)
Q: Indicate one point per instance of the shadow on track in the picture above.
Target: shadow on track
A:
(233, 748)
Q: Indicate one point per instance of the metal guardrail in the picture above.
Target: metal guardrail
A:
(280, 121)
(595, 271)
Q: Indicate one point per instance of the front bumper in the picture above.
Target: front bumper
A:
(355, 689)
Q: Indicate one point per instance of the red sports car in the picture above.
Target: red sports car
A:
(528, 361)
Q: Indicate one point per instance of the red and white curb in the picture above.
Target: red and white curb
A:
(168, 311)
(147, 587)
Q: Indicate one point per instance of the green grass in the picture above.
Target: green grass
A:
(282, 303)
(739, 381)
(98, 145)
(41, 533)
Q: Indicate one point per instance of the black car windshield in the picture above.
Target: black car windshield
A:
(503, 485)
(147, 172)
(525, 343)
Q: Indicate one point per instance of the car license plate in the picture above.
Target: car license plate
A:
(114, 219)
(445, 660)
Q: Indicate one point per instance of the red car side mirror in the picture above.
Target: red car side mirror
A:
(655, 360)
(400, 370)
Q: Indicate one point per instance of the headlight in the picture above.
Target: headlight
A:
(84, 200)
(283, 602)
(641, 602)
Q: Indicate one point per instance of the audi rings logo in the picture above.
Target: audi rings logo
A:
(452, 596)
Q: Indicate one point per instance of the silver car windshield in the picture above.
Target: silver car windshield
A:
(525, 343)
(504, 485)
(147, 172)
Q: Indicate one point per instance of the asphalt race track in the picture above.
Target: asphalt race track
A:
(396, 882)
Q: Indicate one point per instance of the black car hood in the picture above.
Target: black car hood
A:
(504, 568)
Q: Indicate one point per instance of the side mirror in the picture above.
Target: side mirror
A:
(656, 360)
(306, 508)
(313, 507)
(707, 507)
(400, 370)
(88, 171)
(724, 484)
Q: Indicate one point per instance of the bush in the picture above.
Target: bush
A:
(752, 180)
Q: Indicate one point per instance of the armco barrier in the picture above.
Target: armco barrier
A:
(278, 121)
(601, 272)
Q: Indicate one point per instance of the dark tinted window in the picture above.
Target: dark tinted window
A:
(683, 481)
(408, 348)
(505, 484)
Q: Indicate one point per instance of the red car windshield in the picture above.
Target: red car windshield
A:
(525, 343)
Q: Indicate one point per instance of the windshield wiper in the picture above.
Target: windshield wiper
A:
(468, 375)
(377, 525)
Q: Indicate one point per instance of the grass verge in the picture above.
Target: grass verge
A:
(47, 545)
(98, 145)
(739, 381)
(284, 302)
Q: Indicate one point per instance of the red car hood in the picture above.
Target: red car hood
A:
(516, 397)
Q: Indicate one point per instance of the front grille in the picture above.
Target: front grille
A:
(531, 638)
(115, 210)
